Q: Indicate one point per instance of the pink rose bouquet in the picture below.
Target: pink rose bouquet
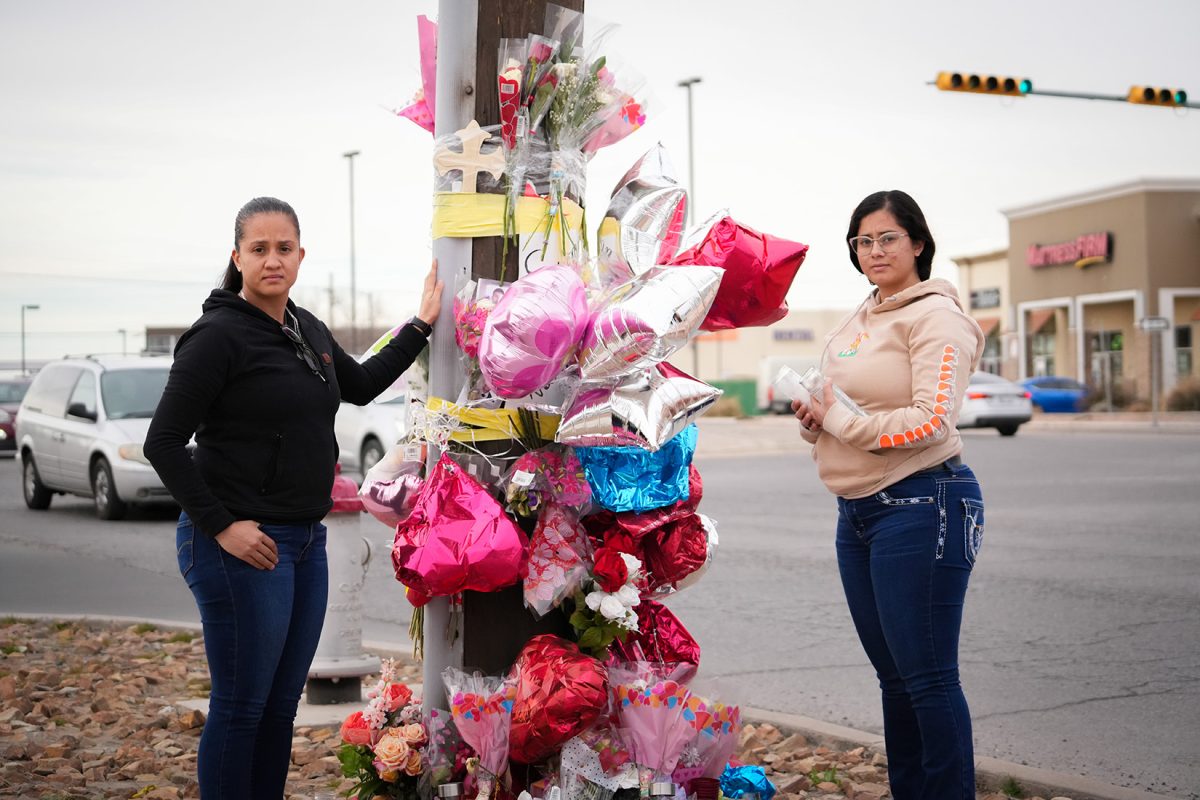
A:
(388, 748)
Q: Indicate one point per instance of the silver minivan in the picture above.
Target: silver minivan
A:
(80, 431)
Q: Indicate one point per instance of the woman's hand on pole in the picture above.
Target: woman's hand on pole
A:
(431, 296)
(245, 540)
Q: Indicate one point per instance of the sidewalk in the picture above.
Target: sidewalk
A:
(131, 722)
(773, 434)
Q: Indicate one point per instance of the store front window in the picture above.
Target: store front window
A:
(1109, 346)
(1042, 350)
(1183, 351)
(991, 355)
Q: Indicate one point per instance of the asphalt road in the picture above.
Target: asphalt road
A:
(1081, 645)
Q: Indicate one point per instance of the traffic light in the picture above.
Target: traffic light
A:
(983, 84)
(1155, 96)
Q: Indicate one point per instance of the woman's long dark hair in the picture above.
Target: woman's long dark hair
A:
(908, 214)
(232, 280)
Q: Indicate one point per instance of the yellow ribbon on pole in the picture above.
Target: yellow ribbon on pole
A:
(465, 215)
(491, 425)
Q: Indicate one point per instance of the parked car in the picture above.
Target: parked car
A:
(1052, 393)
(81, 428)
(364, 433)
(12, 390)
(993, 402)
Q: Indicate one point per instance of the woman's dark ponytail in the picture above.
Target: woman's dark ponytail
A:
(231, 281)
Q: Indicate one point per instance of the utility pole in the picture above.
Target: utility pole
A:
(349, 156)
(495, 625)
(330, 291)
(687, 84)
(24, 308)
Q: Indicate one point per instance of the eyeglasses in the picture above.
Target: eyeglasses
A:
(304, 352)
(863, 245)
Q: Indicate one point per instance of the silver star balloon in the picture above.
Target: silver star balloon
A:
(646, 410)
(648, 208)
(643, 322)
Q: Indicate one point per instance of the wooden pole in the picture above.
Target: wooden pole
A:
(495, 625)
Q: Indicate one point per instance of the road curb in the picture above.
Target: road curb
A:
(990, 773)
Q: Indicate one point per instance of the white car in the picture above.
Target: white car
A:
(81, 427)
(993, 402)
(365, 433)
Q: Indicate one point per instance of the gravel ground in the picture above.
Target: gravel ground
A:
(89, 711)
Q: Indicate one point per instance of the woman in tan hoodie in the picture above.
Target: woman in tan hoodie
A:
(910, 518)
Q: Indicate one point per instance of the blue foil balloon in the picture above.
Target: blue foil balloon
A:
(738, 782)
(634, 479)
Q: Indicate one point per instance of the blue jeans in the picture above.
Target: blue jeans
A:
(905, 555)
(261, 629)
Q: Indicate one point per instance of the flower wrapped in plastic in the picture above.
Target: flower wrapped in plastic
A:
(645, 321)
(473, 304)
(559, 554)
(387, 748)
(634, 479)
(595, 764)
(525, 65)
(560, 693)
(605, 606)
(759, 270)
(533, 330)
(549, 474)
(481, 706)
(390, 487)
(457, 538)
(446, 752)
(650, 701)
(717, 727)
(424, 103)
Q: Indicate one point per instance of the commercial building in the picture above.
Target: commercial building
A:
(1101, 286)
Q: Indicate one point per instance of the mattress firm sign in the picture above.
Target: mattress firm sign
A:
(1082, 251)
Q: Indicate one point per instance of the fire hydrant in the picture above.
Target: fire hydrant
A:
(340, 662)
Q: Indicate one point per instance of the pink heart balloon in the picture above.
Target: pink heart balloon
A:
(532, 332)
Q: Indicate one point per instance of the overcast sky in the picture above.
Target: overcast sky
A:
(132, 131)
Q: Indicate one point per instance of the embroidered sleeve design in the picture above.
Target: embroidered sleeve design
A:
(943, 401)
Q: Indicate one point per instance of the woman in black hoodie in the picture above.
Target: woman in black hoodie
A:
(258, 380)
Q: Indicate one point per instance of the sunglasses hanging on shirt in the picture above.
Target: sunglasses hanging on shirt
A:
(303, 351)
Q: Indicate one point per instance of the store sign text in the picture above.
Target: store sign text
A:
(1083, 251)
(793, 335)
(985, 298)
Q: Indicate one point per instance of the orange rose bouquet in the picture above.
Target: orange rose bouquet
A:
(387, 747)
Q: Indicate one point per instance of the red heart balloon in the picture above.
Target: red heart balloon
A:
(560, 693)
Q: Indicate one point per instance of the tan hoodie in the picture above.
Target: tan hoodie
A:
(906, 360)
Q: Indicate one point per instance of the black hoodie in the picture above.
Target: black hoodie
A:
(263, 420)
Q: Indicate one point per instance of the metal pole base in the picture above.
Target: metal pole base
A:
(331, 691)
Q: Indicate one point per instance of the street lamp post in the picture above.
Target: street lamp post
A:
(349, 156)
(24, 308)
(687, 84)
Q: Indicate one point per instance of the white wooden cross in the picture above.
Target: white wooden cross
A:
(470, 161)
